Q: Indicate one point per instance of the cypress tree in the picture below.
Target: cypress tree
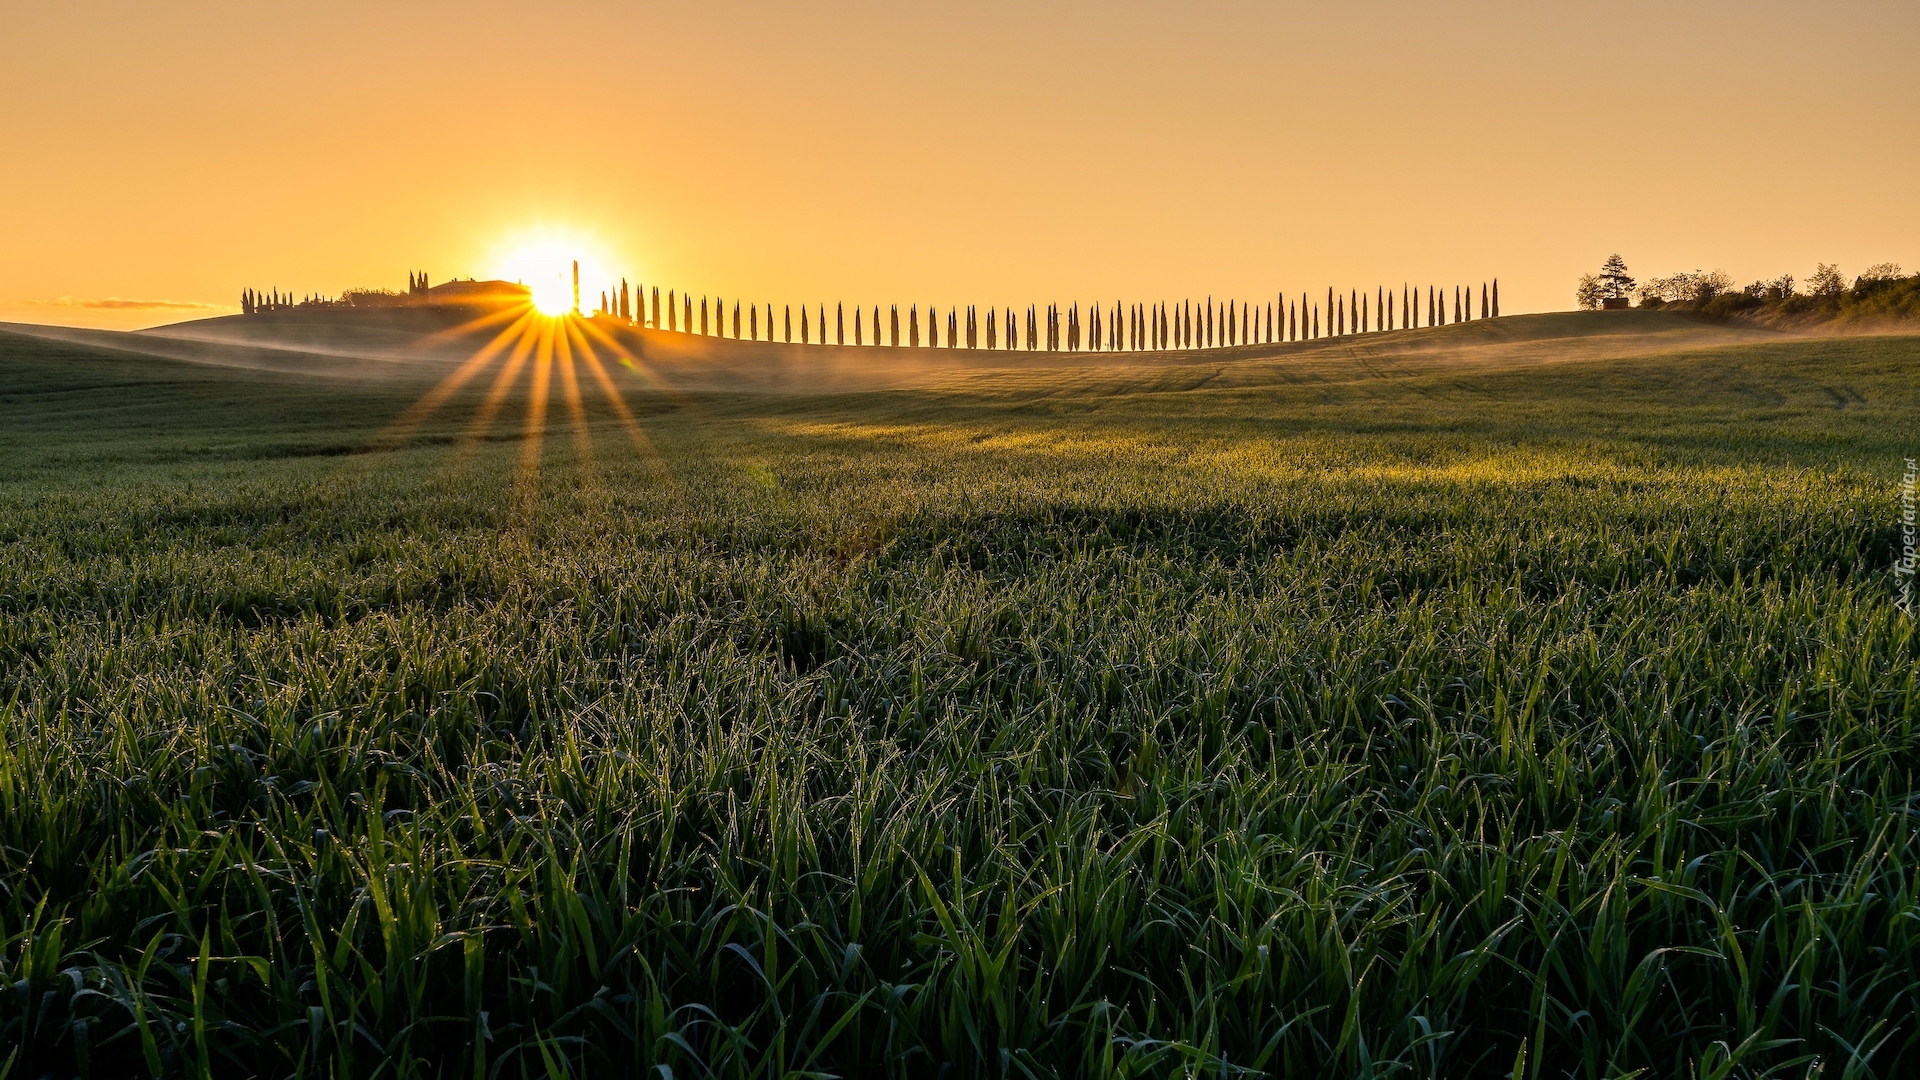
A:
(839, 323)
(703, 316)
(1496, 298)
(895, 338)
(992, 341)
(753, 323)
(788, 312)
(913, 325)
(736, 320)
(769, 321)
(803, 326)
(1483, 299)
(876, 324)
(1456, 303)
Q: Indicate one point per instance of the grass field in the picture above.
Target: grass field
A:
(1522, 698)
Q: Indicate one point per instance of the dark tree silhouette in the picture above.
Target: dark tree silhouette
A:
(1615, 282)
(1496, 298)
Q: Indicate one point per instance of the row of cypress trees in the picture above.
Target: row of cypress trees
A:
(1119, 328)
(253, 301)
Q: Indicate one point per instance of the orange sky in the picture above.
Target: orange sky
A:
(988, 153)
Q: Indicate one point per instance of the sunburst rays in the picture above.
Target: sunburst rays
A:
(528, 357)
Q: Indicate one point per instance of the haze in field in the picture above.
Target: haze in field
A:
(161, 157)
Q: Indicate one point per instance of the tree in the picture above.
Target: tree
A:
(839, 323)
(1496, 298)
(1589, 292)
(1826, 281)
(1615, 282)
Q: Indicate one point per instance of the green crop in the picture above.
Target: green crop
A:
(1531, 721)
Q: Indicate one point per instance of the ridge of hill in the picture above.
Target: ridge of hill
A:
(417, 343)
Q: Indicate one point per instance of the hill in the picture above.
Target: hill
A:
(420, 342)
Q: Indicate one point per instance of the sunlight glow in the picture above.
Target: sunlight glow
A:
(543, 262)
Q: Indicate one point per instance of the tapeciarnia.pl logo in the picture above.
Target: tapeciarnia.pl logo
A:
(1903, 565)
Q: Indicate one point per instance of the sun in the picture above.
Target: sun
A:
(544, 263)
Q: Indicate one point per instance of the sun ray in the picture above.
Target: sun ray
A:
(648, 452)
(482, 421)
(576, 411)
(420, 411)
(515, 313)
(527, 476)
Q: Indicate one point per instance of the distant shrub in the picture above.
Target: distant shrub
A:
(1728, 303)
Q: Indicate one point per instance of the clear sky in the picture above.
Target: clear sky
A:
(987, 152)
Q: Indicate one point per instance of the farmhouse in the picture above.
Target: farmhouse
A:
(472, 293)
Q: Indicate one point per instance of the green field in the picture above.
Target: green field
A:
(1518, 698)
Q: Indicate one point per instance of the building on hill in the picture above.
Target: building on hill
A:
(472, 293)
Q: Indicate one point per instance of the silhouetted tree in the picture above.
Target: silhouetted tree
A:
(1615, 282)
(1496, 298)
(788, 322)
(894, 339)
(839, 323)
(803, 325)
(736, 320)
